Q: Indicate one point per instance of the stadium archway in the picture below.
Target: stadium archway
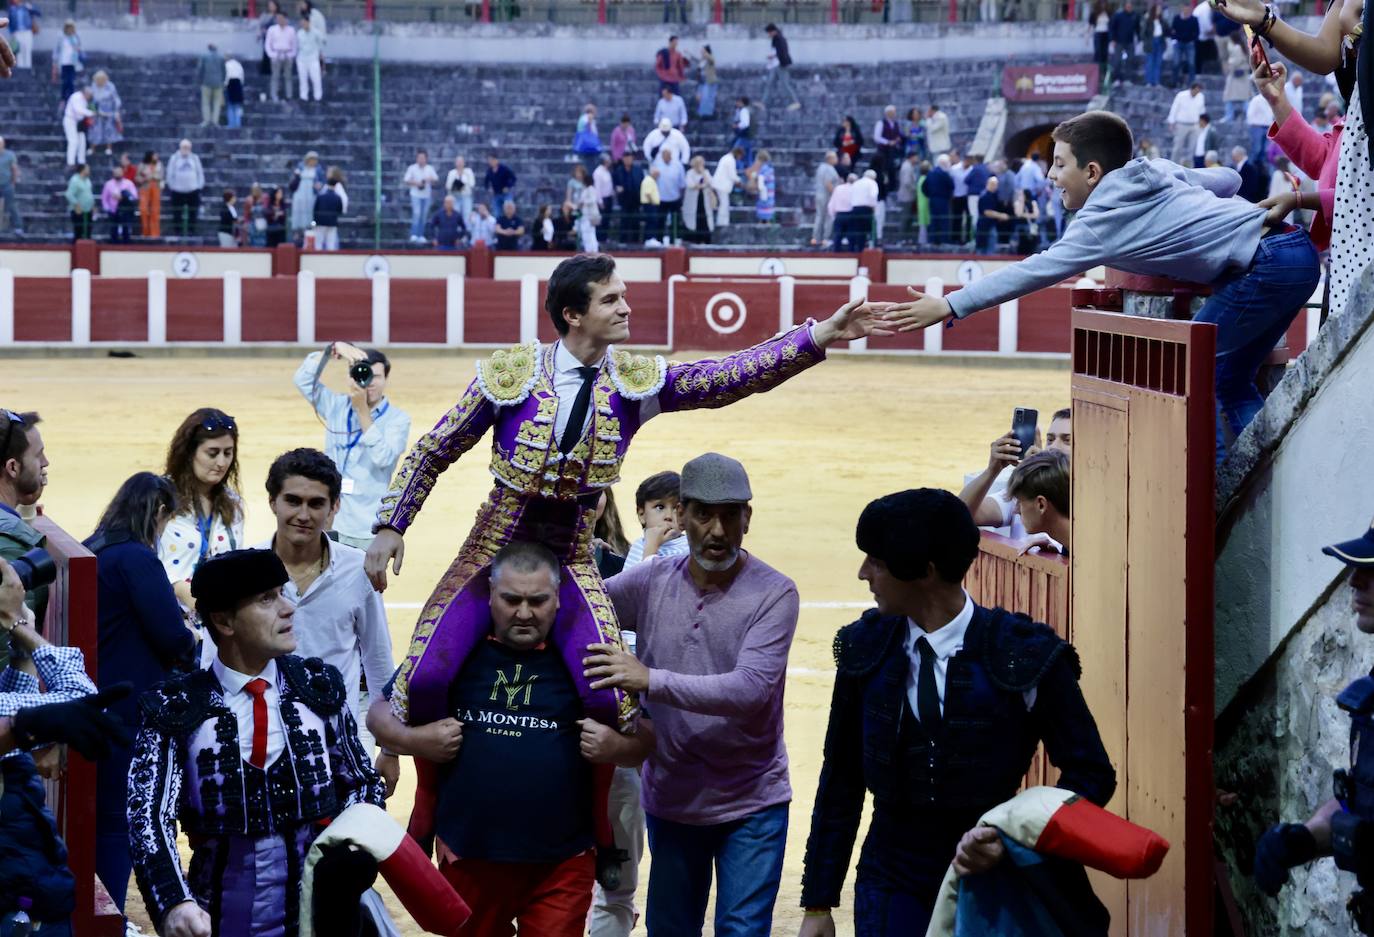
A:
(1035, 138)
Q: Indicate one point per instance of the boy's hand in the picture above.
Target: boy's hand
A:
(923, 311)
(1245, 12)
(1280, 206)
(1269, 79)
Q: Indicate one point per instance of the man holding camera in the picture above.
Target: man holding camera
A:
(23, 476)
(364, 434)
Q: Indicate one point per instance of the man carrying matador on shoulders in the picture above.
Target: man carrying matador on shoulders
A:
(562, 417)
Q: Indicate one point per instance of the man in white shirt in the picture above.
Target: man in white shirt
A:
(1293, 89)
(666, 135)
(280, 46)
(482, 226)
(863, 210)
(1189, 104)
(744, 130)
(461, 183)
(309, 59)
(937, 130)
(826, 179)
(1258, 118)
(339, 617)
(420, 179)
(724, 180)
(77, 110)
(671, 107)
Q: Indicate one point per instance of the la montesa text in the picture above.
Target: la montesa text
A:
(505, 723)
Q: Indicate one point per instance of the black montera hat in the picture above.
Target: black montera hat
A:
(223, 581)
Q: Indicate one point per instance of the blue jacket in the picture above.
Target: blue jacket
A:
(941, 786)
(938, 186)
(977, 178)
(447, 229)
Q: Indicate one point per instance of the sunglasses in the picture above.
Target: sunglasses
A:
(222, 423)
(7, 431)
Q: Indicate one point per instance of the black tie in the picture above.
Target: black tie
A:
(927, 696)
(573, 431)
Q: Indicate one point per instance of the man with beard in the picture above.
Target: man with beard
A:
(714, 630)
(23, 476)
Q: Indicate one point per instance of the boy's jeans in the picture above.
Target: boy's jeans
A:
(1252, 312)
(419, 214)
(747, 857)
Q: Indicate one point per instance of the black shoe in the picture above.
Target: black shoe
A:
(608, 862)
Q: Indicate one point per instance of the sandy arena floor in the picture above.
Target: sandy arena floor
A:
(817, 450)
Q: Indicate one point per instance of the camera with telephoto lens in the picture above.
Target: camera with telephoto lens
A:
(35, 568)
(361, 372)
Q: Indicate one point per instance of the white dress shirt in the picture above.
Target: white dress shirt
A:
(864, 193)
(1187, 108)
(946, 641)
(567, 382)
(240, 703)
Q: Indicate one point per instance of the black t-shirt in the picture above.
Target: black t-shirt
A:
(508, 242)
(519, 790)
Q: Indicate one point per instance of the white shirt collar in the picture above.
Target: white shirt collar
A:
(565, 361)
(233, 682)
(330, 549)
(949, 637)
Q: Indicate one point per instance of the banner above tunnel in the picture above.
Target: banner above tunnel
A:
(1049, 83)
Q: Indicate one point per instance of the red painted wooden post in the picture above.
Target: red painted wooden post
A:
(718, 12)
(601, 12)
(370, 10)
(252, 10)
(954, 11)
(1073, 8)
(834, 11)
(486, 11)
(133, 7)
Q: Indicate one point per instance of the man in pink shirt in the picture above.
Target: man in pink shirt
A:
(714, 630)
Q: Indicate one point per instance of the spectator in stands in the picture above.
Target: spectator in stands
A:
(1294, 91)
(266, 21)
(118, 198)
(419, 179)
(1185, 32)
(1253, 185)
(839, 208)
(623, 138)
(672, 184)
(724, 180)
(211, 71)
(1125, 29)
(1211, 160)
(24, 17)
(670, 66)
(278, 213)
(313, 13)
(938, 187)
(603, 183)
(937, 130)
(542, 231)
(329, 206)
(1258, 118)
(1040, 487)
(80, 202)
(76, 118)
(509, 228)
(922, 718)
(228, 230)
(1262, 273)
(203, 466)
(233, 93)
(888, 139)
(1101, 19)
(577, 181)
(1205, 142)
(699, 203)
(142, 637)
(742, 125)
(1314, 151)
(587, 139)
(863, 202)
(281, 51)
(709, 84)
(670, 107)
(1189, 104)
(461, 184)
(9, 178)
(255, 217)
(149, 180)
(307, 181)
(848, 143)
(107, 121)
(588, 218)
(535, 864)
(665, 135)
(68, 59)
(1207, 34)
(960, 224)
(1154, 32)
(825, 181)
(483, 226)
(500, 180)
(916, 134)
(446, 228)
(310, 60)
(185, 180)
(764, 182)
(656, 506)
(610, 546)
(778, 67)
(991, 217)
(649, 201)
(1236, 91)
(715, 789)
(23, 476)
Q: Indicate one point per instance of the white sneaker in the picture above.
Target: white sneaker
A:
(653, 242)
(794, 106)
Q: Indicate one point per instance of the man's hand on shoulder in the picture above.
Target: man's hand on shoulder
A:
(610, 665)
(437, 741)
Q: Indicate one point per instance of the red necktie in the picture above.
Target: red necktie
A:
(257, 688)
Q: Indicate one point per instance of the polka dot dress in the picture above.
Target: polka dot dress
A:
(1352, 222)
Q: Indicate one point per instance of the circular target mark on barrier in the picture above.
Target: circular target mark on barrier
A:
(725, 313)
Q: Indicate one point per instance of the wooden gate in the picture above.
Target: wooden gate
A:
(1142, 565)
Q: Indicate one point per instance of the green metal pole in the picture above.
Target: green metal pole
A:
(376, 137)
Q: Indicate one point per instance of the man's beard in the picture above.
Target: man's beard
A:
(716, 566)
(29, 486)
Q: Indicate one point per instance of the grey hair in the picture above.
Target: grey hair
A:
(523, 556)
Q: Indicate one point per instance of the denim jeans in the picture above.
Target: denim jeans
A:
(706, 107)
(880, 911)
(234, 115)
(419, 214)
(745, 143)
(747, 858)
(1252, 312)
(1186, 61)
(775, 78)
(1259, 143)
(1154, 61)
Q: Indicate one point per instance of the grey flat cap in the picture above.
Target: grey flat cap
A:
(715, 479)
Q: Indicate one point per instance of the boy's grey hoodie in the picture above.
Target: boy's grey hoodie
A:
(1150, 217)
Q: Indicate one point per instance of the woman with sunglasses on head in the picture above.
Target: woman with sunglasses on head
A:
(142, 638)
(203, 467)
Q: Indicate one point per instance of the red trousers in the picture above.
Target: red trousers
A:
(545, 899)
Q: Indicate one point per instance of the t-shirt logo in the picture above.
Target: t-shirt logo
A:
(512, 686)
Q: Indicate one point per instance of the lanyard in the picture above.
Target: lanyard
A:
(354, 435)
